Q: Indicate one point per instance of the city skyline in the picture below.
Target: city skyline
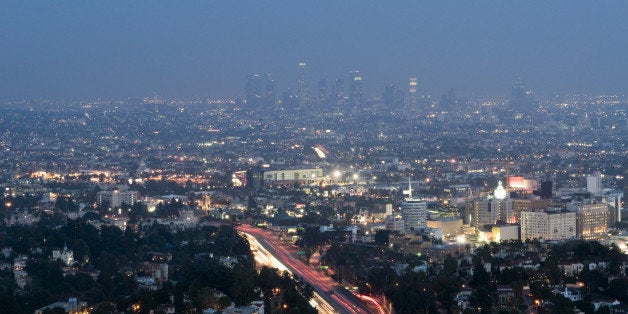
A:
(89, 50)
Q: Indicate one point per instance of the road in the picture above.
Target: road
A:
(330, 297)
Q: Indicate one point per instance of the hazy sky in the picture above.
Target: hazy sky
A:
(117, 49)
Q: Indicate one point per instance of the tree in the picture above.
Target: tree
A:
(618, 289)
(481, 298)
(616, 259)
(447, 287)
(382, 237)
(561, 304)
(450, 265)
(480, 276)
(413, 293)
(54, 310)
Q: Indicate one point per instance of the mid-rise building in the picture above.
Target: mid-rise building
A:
(550, 224)
(414, 213)
(299, 175)
(528, 204)
(592, 219)
(115, 198)
(615, 203)
(498, 209)
(395, 223)
(449, 226)
(594, 183)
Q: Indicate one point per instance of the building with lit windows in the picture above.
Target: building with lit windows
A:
(550, 224)
(491, 211)
(303, 89)
(395, 223)
(528, 204)
(115, 198)
(356, 92)
(594, 183)
(412, 90)
(253, 89)
(414, 212)
(299, 175)
(592, 220)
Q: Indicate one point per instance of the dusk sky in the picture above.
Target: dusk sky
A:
(119, 49)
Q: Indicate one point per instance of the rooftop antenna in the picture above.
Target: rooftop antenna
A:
(409, 190)
(409, 187)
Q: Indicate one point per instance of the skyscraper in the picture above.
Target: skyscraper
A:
(253, 89)
(339, 92)
(356, 92)
(303, 91)
(412, 89)
(323, 94)
(522, 99)
(399, 99)
(389, 95)
(393, 97)
(269, 88)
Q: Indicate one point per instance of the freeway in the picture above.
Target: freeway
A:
(329, 296)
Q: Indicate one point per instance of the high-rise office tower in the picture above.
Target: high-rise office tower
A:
(389, 95)
(412, 90)
(253, 89)
(399, 99)
(269, 87)
(356, 92)
(522, 99)
(303, 91)
(394, 98)
(339, 92)
(323, 94)
(288, 100)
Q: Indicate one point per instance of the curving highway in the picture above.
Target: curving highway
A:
(329, 296)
